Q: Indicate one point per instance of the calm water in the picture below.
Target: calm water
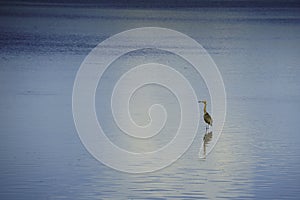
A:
(257, 52)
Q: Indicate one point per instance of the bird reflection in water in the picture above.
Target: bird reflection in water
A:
(206, 139)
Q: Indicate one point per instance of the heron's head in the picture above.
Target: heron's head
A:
(202, 102)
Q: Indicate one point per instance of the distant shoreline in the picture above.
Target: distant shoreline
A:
(158, 4)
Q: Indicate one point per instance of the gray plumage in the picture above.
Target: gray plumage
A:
(207, 118)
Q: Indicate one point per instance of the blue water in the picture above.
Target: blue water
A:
(257, 52)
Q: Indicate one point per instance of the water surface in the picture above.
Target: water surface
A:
(257, 52)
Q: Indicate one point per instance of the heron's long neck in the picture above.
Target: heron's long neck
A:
(204, 109)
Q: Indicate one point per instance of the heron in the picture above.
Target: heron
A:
(207, 118)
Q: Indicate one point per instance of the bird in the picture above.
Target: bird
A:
(207, 118)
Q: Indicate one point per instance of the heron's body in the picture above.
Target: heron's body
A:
(207, 118)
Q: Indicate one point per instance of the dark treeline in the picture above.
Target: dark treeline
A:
(161, 3)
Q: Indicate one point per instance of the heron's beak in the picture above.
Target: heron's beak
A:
(200, 101)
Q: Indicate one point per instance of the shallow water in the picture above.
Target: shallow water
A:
(257, 52)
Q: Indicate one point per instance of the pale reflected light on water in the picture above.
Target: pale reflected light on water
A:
(257, 52)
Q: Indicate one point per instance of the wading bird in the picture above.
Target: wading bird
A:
(207, 118)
